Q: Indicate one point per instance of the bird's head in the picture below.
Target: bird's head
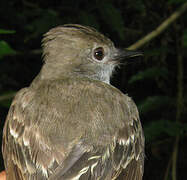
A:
(81, 51)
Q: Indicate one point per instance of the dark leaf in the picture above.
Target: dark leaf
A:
(5, 49)
(4, 31)
(153, 103)
(112, 17)
(150, 73)
(156, 129)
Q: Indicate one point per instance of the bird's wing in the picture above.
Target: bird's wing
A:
(133, 153)
(27, 152)
(65, 131)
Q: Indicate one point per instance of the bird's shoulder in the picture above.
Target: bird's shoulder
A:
(81, 89)
(84, 102)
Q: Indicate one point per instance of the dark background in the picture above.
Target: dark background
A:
(157, 82)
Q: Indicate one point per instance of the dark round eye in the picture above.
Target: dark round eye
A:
(99, 53)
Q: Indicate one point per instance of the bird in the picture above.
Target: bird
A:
(71, 123)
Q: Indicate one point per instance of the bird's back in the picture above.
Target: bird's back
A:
(72, 129)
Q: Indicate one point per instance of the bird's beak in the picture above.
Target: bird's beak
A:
(124, 54)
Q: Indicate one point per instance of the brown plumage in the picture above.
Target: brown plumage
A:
(70, 123)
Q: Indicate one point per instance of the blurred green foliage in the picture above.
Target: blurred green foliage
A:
(152, 82)
(150, 73)
(4, 31)
(185, 38)
(158, 129)
(5, 49)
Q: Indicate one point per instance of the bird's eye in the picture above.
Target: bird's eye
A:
(99, 53)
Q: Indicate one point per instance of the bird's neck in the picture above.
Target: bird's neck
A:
(102, 76)
(52, 72)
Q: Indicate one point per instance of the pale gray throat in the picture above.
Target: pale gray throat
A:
(102, 74)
